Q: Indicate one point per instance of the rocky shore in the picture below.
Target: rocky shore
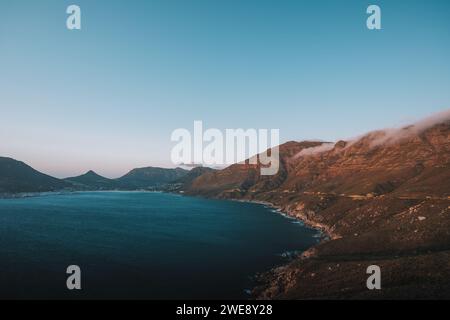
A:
(336, 269)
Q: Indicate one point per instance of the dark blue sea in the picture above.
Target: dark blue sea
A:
(141, 245)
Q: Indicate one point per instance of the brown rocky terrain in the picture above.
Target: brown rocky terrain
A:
(383, 199)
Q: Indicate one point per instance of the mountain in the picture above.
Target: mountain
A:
(240, 179)
(383, 199)
(150, 177)
(16, 176)
(193, 174)
(92, 181)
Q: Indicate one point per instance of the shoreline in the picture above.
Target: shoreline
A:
(322, 228)
(24, 195)
(265, 280)
(326, 233)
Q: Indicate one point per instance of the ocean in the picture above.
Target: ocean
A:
(141, 245)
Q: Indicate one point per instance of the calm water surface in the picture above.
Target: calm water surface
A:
(140, 245)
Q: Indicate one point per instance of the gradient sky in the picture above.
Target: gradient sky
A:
(109, 96)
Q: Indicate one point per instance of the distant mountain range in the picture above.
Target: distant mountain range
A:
(17, 177)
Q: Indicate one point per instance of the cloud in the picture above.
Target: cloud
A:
(314, 150)
(391, 135)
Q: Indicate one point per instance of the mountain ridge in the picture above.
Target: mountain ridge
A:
(381, 201)
(92, 180)
(16, 176)
(148, 177)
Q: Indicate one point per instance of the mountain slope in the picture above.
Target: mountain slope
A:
(193, 174)
(383, 199)
(240, 179)
(16, 177)
(92, 181)
(150, 177)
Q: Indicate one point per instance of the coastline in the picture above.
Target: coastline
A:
(22, 195)
(274, 279)
(327, 233)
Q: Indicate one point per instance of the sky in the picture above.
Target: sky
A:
(107, 97)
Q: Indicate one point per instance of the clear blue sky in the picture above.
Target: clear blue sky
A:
(108, 97)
